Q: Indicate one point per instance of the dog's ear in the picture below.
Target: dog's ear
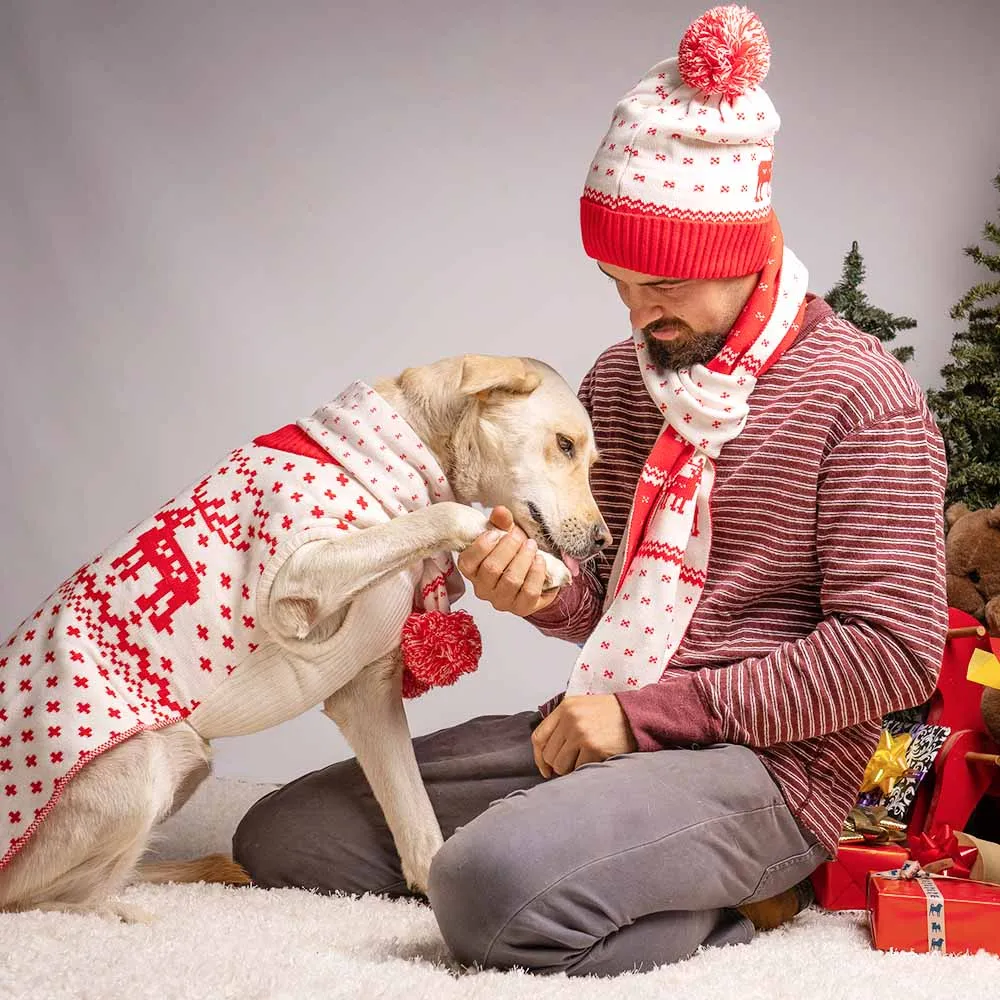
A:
(483, 374)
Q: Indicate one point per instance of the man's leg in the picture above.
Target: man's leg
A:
(627, 864)
(325, 830)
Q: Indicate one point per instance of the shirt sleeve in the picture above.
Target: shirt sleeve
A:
(878, 646)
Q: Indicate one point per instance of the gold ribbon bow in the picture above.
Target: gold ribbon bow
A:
(888, 763)
(872, 825)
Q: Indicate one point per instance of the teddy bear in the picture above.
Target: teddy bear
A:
(972, 549)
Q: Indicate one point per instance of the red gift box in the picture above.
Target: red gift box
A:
(842, 884)
(948, 915)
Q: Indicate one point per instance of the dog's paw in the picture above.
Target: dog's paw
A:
(416, 881)
(129, 914)
(416, 858)
(460, 525)
(111, 910)
(557, 573)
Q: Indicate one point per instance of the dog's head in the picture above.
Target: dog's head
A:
(527, 444)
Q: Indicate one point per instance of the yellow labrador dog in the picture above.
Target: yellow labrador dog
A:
(254, 596)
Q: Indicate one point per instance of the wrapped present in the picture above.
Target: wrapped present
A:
(944, 850)
(957, 854)
(905, 754)
(905, 719)
(842, 884)
(872, 825)
(911, 910)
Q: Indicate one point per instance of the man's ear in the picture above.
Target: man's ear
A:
(483, 374)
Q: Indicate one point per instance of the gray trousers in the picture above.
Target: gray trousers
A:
(626, 864)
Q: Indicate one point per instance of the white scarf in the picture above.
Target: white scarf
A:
(661, 579)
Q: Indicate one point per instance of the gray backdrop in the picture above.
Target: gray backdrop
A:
(212, 217)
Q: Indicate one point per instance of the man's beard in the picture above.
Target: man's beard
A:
(687, 350)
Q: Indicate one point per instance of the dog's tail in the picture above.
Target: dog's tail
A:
(216, 868)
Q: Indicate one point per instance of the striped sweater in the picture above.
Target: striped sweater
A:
(824, 606)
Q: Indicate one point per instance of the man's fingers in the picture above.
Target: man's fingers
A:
(543, 769)
(502, 518)
(470, 560)
(554, 747)
(565, 761)
(588, 756)
(531, 589)
(543, 730)
(496, 562)
(540, 737)
(509, 585)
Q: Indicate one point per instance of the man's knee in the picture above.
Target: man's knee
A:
(258, 843)
(323, 836)
(496, 909)
(471, 891)
(485, 895)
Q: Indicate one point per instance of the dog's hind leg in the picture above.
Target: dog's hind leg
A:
(87, 848)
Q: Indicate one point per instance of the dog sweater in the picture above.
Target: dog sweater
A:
(171, 622)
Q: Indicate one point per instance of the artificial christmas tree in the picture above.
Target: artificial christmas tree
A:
(968, 407)
(848, 300)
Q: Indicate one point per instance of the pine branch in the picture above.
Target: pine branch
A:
(967, 407)
(976, 294)
(990, 261)
(848, 300)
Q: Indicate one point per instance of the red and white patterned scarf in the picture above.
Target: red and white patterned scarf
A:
(664, 558)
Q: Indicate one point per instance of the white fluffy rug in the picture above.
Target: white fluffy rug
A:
(215, 942)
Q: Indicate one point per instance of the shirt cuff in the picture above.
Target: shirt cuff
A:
(670, 713)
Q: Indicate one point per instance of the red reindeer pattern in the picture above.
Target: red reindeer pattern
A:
(763, 177)
(682, 490)
(158, 549)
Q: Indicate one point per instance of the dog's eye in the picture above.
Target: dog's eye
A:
(974, 576)
(565, 445)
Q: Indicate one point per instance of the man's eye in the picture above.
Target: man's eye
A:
(565, 445)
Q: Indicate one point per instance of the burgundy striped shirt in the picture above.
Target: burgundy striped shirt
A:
(824, 606)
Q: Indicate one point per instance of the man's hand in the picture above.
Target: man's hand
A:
(581, 729)
(505, 568)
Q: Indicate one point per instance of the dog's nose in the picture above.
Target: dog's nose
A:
(602, 537)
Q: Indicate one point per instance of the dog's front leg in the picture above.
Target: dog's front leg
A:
(369, 712)
(323, 576)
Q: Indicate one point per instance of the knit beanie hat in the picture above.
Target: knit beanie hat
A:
(681, 184)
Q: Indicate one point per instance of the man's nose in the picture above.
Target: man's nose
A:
(643, 311)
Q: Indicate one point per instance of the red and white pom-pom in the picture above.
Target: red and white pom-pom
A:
(725, 52)
(438, 647)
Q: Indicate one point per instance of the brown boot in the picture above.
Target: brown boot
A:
(766, 914)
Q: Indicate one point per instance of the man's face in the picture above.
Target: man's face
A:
(683, 321)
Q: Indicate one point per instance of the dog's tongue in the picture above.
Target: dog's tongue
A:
(573, 565)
